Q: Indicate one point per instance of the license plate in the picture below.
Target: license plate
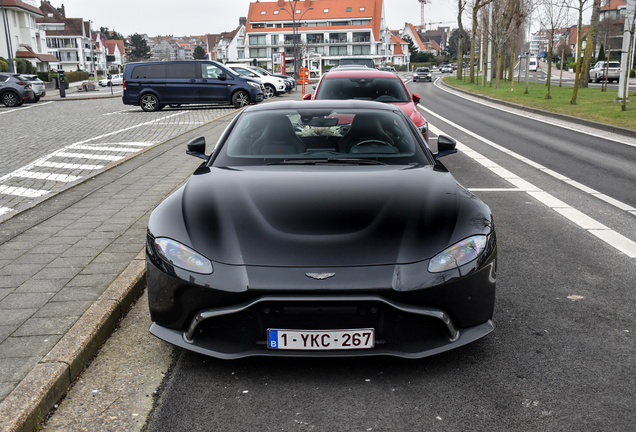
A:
(320, 339)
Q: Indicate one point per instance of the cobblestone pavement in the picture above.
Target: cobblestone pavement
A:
(48, 146)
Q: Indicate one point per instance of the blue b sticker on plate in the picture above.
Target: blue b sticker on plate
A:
(273, 339)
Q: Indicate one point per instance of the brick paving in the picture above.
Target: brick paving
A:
(51, 145)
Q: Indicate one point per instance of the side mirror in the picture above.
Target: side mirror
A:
(253, 75)
(222, 77)
(196, 147)
(445, 146)
(307, 96)
(416, 98)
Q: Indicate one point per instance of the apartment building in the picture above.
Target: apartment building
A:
(26, 38)
(324, 29)
(69, 39)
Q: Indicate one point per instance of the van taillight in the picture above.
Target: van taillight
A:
(124, 85)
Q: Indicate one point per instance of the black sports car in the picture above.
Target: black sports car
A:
(321, 228)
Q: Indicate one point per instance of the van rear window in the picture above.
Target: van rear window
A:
(149, 71)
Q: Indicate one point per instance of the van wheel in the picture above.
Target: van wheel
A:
(270, 91)
(9, 99)
(241, 99)
(149, 102)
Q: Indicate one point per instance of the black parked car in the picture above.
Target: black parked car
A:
(14, 90)
(321, 228)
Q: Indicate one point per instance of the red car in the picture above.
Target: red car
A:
(373, 85)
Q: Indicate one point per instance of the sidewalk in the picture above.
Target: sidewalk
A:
(74, 93)
(70, 268)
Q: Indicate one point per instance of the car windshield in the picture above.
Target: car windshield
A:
(421, 70)
(363, 88)
(321, 136)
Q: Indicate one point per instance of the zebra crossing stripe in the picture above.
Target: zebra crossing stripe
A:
(109, 149)
(23, 192)
(67, 165)
(47, 176)
(87, 156)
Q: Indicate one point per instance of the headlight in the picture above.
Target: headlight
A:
(253, 84)
(459, 254)
(182, 256)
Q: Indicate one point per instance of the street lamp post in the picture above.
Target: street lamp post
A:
(295, 33)
(5, 24)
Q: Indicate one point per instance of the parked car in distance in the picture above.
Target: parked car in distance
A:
(153, 85)
(612, 69)
(446, 68)
(387, 69)
(323, 229)
(422, 74)
(533, 65)
(357, 61)
(14, 89)
(273, 85)
(370, 84)
(39, 89)
(290, 83)
(117, 79)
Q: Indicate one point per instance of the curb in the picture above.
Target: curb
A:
(577, 120)
(47, 383)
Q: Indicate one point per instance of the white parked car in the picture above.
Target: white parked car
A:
(273, 85)
(117, 79)
(39, 90)
(597, 73)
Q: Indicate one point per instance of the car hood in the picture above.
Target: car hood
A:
(319, 216)
(411, 110)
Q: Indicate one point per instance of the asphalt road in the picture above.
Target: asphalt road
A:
(563, 351)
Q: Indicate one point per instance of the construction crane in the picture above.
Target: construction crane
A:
(422, 3)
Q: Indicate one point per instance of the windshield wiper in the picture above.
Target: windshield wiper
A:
(328, 161)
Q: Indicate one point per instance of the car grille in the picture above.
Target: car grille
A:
(393, 328)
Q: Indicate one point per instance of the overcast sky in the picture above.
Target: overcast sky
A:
(198, 17)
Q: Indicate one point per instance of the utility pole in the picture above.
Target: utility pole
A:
(5, 23)
(490, 46)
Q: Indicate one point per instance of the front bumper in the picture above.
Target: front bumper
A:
(415, 313)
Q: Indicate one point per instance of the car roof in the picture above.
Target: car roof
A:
(324, 104)
(359, 72)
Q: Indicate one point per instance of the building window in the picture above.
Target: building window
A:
(258, 52)
(276, 12)
(339, 23)
(257, 26)
(298, 11)
(315, 38)
(263, 12)
(241, 54)
(360, 22)
(257, 40)
(361, 49)
(274, 39)
(348, 9)
(362, 8)
(361, 37)
(338, 50)
(337, 38)
(325, 10)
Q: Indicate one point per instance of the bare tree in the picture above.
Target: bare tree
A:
(580, 6)
(552, 15)
(477, 5)
(591, 44)
(461, 5)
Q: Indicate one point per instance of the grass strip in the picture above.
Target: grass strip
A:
(591, 103)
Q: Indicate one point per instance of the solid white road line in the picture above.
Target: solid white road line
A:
(533, 164)
(25, 107)
(5, 210)
(611, 237)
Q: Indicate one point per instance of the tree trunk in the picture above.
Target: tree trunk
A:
(499, 71)
(579, 40)
(591, 43)
(549, 78)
